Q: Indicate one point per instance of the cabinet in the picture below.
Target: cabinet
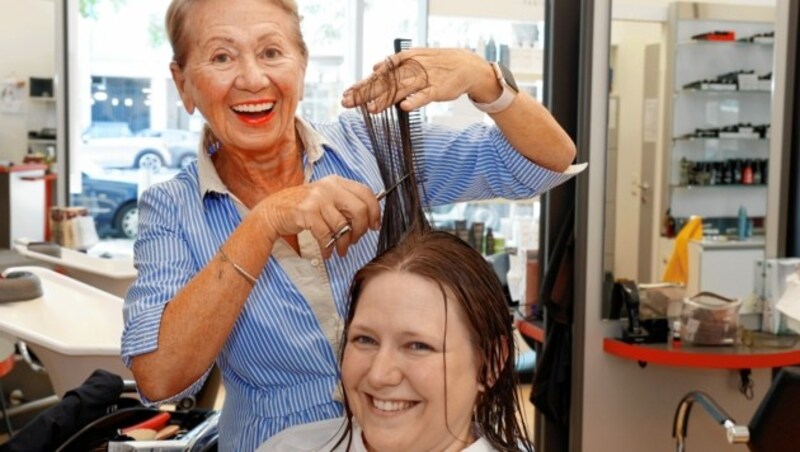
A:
(22, 203)
(719, 95)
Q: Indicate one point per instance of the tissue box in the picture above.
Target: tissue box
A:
(773, 285)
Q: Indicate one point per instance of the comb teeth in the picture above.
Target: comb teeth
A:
(401, 44)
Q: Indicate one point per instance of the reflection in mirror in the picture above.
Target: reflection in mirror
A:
(688, 135)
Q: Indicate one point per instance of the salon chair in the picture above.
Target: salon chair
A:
(775, 426)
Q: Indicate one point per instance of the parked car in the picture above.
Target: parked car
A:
(182, 144)
(112, 203)
(111, 144)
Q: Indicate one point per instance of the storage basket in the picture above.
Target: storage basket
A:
(710, 319)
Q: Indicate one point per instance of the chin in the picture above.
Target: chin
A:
(387, 445)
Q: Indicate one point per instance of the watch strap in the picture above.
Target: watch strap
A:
(505, 99)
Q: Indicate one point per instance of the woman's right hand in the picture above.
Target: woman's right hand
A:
(322, 207)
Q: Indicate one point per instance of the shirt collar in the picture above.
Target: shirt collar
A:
(209, 180)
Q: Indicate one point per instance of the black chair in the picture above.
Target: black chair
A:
(775, 426)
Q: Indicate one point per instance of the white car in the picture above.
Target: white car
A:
(182, 144)
(113, 145)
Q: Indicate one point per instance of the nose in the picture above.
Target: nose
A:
(252, 76)
(385, 369)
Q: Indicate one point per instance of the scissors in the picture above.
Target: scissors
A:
(379, 196)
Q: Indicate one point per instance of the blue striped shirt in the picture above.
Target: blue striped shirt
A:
(278, 367)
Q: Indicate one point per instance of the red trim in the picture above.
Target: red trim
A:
(531, 330)
(22, 167)
(6, 365)
(722, 357)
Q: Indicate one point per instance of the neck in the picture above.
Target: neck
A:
(253, 176)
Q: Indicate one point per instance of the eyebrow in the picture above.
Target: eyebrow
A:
(264, 37)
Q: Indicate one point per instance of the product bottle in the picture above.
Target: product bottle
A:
(667, 224)
(491, 50)
(747, 173)
(489, 242)
(676, 334)
(741, 229)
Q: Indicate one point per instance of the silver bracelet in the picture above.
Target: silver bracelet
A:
(238, 268)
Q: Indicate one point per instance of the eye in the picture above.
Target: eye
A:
(272, 53)
(363, 340)
(420, 346)
(221, 58)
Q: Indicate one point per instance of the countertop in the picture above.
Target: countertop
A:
(731, 243)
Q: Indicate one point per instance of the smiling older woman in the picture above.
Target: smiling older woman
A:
(231, 256)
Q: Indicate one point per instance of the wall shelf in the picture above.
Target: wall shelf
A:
(708, 357)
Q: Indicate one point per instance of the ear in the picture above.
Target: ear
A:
(495, 369)
(180, 84)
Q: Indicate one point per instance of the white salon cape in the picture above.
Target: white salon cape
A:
(321, 436)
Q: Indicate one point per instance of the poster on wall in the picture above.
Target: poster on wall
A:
(11, 95)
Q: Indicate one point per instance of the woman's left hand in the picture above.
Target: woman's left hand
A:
(417, 77)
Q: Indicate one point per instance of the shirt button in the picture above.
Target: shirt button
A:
(315, 262)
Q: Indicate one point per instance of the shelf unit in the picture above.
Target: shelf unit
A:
(42, 114)
(689, 109)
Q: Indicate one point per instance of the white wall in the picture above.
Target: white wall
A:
(27, 49)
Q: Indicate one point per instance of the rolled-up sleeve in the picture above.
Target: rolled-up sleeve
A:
(478, 162)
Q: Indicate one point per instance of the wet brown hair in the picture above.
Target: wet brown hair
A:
(179, 11)
(462, 272)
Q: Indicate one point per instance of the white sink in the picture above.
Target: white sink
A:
(73, 328)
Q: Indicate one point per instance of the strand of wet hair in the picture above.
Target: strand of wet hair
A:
(394, 136)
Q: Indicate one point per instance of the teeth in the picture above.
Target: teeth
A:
(254, 108)
(390, 405)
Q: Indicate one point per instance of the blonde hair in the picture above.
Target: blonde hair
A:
(178, 12)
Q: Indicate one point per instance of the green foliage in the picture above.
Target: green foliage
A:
(88, 8)
(156, 32)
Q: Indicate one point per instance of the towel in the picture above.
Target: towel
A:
(677, 270)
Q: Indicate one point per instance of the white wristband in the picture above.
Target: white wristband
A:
(505, 99)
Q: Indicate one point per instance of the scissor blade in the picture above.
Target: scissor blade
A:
(382, 194)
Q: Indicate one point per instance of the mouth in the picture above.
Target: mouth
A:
(254, 112)
(391, 407)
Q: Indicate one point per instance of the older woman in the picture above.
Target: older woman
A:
(231, 253)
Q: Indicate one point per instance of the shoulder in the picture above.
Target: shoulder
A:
(343, 130)
(315, 436)
(182, 186)
(481, 445)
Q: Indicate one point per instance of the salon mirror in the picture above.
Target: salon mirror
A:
(684, 126)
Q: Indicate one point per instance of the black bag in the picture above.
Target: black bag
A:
(98, 395)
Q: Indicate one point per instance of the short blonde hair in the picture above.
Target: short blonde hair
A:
(178, 12)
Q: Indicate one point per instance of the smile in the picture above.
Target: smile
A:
(263, 107)
(255, 113)
(391, 405)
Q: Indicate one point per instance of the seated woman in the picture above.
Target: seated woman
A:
(426, 357)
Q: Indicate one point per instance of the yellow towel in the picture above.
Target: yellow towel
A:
(677, 270)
